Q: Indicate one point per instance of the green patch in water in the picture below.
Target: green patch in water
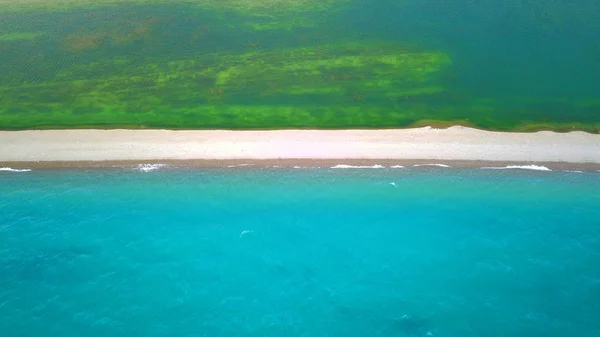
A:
(14, 36)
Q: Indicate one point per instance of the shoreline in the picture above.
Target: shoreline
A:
(422, 164)
(456, 146)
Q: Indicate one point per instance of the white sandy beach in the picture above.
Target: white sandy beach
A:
(454, 143)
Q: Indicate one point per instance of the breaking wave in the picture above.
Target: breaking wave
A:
(150, 167)
(8, 169)
(355, 166)
(519, 167)
(241, 165)
(438, 165)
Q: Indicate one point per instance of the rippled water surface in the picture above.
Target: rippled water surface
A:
(299, 252)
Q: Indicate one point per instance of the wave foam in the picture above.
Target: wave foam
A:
(396, 166)
(353, 166)
(437, 165)
(150, 167)
(8, 169)
(519, 167)
(241, 165)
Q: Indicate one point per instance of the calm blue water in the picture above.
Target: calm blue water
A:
(315, 252)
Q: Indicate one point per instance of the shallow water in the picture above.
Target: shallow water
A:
(508, 65)
(299, 252)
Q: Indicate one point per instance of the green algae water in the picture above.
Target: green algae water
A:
(263, 64)
(405, 252)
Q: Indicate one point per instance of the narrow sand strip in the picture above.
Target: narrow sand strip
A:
(452, 144)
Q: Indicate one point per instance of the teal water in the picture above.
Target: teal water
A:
(305, 252)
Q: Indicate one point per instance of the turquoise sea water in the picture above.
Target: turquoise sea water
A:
(299, 252)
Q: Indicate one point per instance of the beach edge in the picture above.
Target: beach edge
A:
(455, 146)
